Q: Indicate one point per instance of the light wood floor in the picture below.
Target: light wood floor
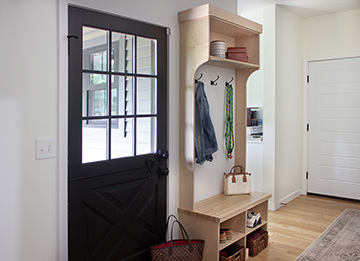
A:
(292, 228)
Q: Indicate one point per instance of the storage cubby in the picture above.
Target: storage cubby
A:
(240, 242)
(238, 230)
(203, 220)
(234, 250)
(263, 210)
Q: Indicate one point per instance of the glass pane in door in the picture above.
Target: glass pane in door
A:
(122, 52)
(122, 96)
(146, 133)
(94, 137)
(146, 56)
(94, 95)
(122, 141)
(95, 49)
(146, 96)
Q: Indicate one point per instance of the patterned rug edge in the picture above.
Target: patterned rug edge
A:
(329, 228)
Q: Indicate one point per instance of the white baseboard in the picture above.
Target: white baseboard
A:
(285, 200)
(304, 190)
(271, 206)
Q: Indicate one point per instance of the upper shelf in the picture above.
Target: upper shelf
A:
(222, 21)
(206, 23)
(232, 64)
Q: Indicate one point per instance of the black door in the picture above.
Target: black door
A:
(117, 134)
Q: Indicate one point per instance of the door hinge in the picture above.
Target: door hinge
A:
(307, 78)
(307, 127)
(168, 31)
(69, 37)
(307, 175)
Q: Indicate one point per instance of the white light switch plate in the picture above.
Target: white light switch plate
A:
(45, 148)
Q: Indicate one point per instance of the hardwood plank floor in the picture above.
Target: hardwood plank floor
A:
(293, 227)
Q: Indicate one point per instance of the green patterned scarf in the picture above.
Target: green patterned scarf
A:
(229, 132)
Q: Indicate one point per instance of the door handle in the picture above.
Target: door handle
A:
(163, 155)
(163, 172)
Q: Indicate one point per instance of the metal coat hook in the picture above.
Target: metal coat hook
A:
(214, 82)
(196, 80)
(227, 83)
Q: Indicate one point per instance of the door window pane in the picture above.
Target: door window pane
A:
(146, 96)
(94, 140)
(146, 56)
(122, 53)
(108, 95)
(95, 49)
(122, 141)
(146, 133)
(122, 96)
(94, 95)
(96, 79)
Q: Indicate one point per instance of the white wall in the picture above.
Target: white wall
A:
(255, 98)
(331, 35)
(288, 132)
(280, 90)
(285, 108)
(28, 110)
(255, 83)
(33, 44)
(269, 65)
(263, 84)
(327, 37)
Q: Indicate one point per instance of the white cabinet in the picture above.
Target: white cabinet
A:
(254, 163)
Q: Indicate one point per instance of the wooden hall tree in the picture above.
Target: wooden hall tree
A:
(198, 27)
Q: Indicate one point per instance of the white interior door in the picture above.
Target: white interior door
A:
(334, 133)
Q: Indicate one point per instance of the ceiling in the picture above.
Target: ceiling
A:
(302, 8)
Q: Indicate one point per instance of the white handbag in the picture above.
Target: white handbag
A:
(237, 182)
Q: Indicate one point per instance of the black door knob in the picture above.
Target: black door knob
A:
(163, 171)
(164, 155)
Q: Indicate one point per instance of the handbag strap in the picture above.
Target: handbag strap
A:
(242, 172)
(232, 170)
(191, 248)
(167, 224)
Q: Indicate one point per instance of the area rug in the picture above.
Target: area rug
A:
(340, 241)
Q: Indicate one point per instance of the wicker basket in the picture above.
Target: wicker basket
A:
(234, 253)
(257, 241)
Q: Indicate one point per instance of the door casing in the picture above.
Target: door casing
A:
(305, 136)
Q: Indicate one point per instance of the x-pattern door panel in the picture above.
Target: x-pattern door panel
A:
(126, 220)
